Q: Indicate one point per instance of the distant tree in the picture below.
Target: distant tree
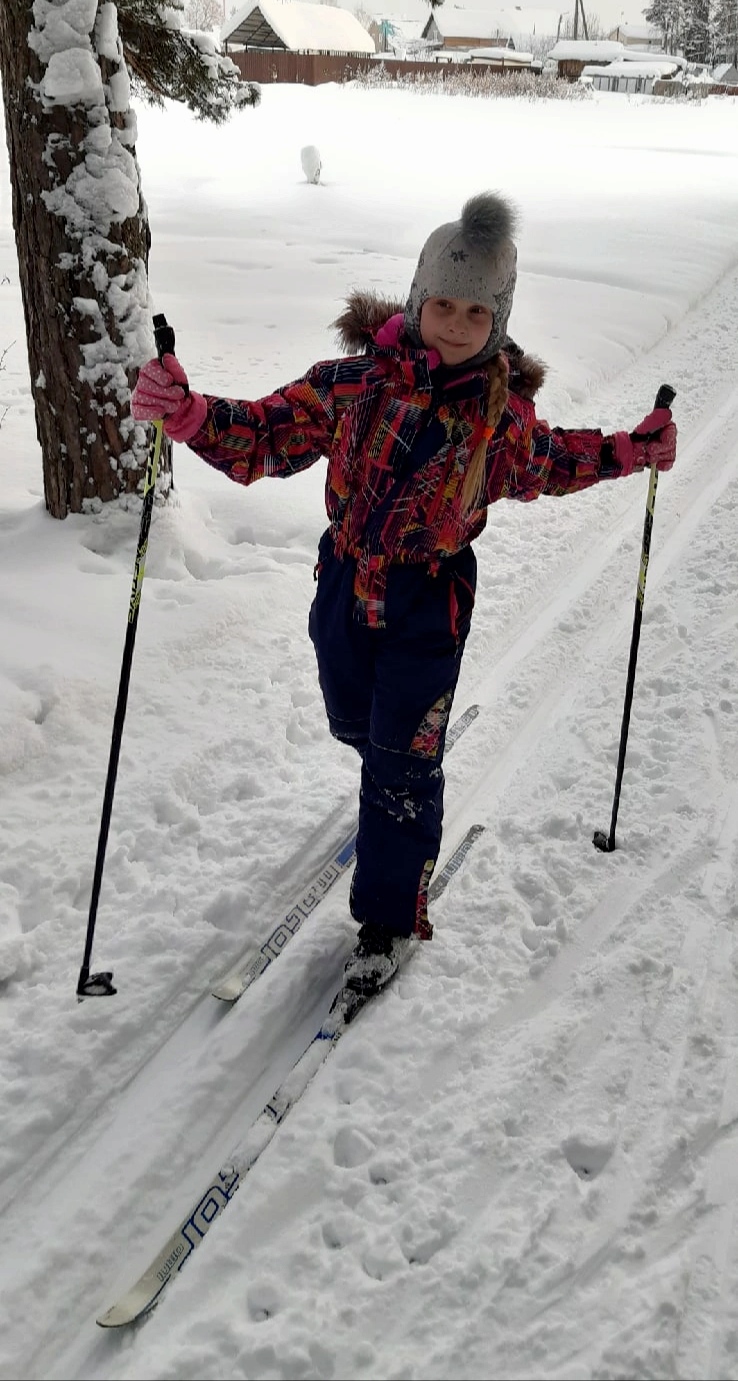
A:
(80, 221)
(204, 14)
(705, 31)
(726, 30)
(540, 44)
(668, 17)
(364, 17)
(594, 27)
(697, 31)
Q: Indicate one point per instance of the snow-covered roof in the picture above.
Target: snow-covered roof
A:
(636, 55)
(586, 50)
(509, 55)
(297, 27)
(637, 33)
(657, 68)
(454, 21)
(725, 70)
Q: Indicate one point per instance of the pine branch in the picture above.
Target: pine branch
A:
(167, 62)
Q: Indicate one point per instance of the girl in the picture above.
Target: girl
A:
(425, 423)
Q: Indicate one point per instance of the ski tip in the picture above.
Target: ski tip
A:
(135, 1305)
(227, 992)
(234, 984)
(118, 1317)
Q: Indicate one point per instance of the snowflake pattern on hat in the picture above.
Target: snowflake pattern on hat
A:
(472, 258)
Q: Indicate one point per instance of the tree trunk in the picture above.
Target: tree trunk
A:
(82, 238)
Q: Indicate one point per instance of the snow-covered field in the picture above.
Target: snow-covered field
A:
(523, 1160)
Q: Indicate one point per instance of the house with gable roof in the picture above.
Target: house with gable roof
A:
(642, 36)
(454, 26)
(296, 27)
(570, 56)
(609, 66)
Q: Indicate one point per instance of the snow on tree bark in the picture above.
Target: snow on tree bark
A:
(82, 238)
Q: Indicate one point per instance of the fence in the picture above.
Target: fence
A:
(313, 69)
(692, 91)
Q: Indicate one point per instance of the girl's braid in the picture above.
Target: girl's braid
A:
(475, 479)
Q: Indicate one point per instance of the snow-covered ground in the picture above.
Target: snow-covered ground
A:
(523, 1160)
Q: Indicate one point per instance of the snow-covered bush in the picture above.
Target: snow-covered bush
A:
(454, 82)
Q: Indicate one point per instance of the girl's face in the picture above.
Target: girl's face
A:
(455, 327)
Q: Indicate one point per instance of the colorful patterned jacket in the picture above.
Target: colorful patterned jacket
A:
(398, 436)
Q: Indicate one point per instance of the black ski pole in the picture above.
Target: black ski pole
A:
(602, 841)
(101, 984)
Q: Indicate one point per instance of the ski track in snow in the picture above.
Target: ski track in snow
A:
(487, 1186)
(659, 1004)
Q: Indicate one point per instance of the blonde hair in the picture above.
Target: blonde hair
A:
(475, 479)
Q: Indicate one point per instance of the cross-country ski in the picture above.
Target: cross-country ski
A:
(346, 1006)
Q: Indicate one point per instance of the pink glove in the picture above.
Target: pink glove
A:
(162, 393)
(653, 442)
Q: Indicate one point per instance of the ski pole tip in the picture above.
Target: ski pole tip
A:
(95, 985)
(603, 842)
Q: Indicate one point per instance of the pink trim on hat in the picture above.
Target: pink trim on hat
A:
(389, 335)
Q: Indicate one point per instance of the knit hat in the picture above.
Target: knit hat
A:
(473, 258)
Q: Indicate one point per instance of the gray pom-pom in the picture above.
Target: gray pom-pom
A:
(486, 221)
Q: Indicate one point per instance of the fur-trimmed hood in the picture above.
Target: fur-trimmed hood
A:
(366, 312)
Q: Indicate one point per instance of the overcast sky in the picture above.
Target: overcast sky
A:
(610, 12)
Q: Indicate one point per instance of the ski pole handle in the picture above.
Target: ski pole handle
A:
(164, 338)
(665, 396)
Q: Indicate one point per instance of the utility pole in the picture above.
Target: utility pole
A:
(579, 5)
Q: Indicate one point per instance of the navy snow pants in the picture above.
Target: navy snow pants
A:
(388, 693)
